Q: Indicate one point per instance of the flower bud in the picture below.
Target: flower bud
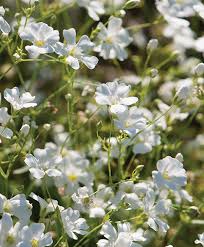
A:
(199, 69)
(179, 157)
(152, 45)
(153, 73)
(47, 126)
(25, 129)
(131, 4)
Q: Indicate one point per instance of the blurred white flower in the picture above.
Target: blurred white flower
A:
(155, 210)
(95, 8)
(42, 36)
(76, 52)
(43, 162)
(177, 8)
(30, 1)
(46, 206)
(199, 69)
(17, 100)
(115, 95)
(73, 223)
(111, 41)
(199, 8)
(200, 240)
(131, 121)
(4, 26)
(74, 172)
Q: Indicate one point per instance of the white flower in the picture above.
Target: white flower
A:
(24, 22)
(33, 236)
(76, 52)
(199, 8)
(131, 121)
(17, 206)
(199, 44)
(74, 172)
(170, 174)
(111, 41)
(44, 161)
(145, 141)
(42, 36)
(114, 95)
(181, 33)
(30, 1)
(154, 210)
(123, 237)
(200, 240)
(92, 203)
(46, 207)
(9, 234)
(177, 8)
(4, 26)
(94, 8)
(199, 69)
(17, 100)
(73, 223)
(127, 193)
(184, 89)
(4, 119)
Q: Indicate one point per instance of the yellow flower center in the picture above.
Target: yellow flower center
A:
(40, 43)
(72, 177)
(72, 51)
(109, 40)
(10, 239)
(35, 243)
(166, 175)
(7, 207)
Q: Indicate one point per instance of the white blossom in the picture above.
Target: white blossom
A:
(76, 52)
(9, 233)
(4, 26)
(73, 224)
(111, 41)
(43, 162)
(170, 174)
(115, 95)
(95, 8)
(200, 239)
(33, 235)
(18, 100)
(123, 237)
(17, 206)
(42, 36)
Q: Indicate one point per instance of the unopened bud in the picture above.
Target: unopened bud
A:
(153, 73)
(25, 129)
(47, 126)
(152, 44)
(131, 4)
(199, 69)
(68, 96)
(179, 157)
